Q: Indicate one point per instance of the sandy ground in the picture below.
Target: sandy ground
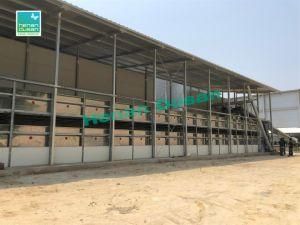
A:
(254, 190)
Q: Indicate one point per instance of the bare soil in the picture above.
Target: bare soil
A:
(252, 190)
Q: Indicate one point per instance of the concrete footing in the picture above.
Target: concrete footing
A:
(71, 167)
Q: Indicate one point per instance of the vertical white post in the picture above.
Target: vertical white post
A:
(54, 95)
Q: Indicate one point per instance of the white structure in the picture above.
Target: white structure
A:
(285, 110)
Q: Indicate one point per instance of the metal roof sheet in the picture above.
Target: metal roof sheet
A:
(92, 34)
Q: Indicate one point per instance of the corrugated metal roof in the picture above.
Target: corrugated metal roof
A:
(92, 34)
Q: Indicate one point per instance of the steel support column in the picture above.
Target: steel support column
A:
(257, 101)
(259, 132)
(234, 98)
(146, 84)
(185, 141)
(12, 123)
(113, 103)
(154, 105)
(209, 116)
(271, 119)
(169, 114)
(26, 60)
(54, 95)
(229, 117)
(83, 129)
(245, 119)
(77, 70)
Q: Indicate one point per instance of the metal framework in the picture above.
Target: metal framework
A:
(94, 38)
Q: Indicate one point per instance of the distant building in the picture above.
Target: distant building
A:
(285, 111)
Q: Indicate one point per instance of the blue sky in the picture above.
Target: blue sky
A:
(256, 38)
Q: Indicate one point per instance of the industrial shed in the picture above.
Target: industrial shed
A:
(84, 64)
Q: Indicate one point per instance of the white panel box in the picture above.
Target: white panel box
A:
(234, 149)
(64, 155)
(162, 151)
(4, 156)
(203, 150)
(215, 150)
(255, 148)
(223, 149)
(96, 154)
(192, 150)
(241, 149)
(122, 153)
(250, 150)
(176, 150)
(29, 156)
(142, 152)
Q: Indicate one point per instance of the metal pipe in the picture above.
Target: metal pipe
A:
(26, 61)
(259, 132)
(229, 117)
(245, 119)
(54, 96)
(133, 132)
(77, 70)
(113, 104)
(83, 130)
(146, 83)
(154, 105)
(12, 120)
(257, 100)
(57, 86)
(169, 111)
(185, 141)
(271, 118)
(209, 116)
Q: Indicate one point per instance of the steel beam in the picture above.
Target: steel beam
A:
(77, 70)
(86, 41)
(169, 113)
(12, 123)
(54, 96)
(154, 105)
(245, 120)
(125, 53)
(229, 116)
(257, 100)
(146, 84)
(259, 132)
(185, 141)
(113, 104)
(149, 63)
(209, 116)
(271, 118)
(26, 60)
(83, 130)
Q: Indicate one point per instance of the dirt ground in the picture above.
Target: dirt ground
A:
(253, 190)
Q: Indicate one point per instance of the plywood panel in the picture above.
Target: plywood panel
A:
(95, 76)
(41, 64)
(130, 84)
(12, 58)
(67, 70)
